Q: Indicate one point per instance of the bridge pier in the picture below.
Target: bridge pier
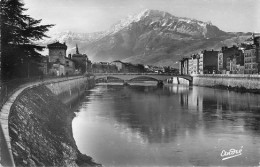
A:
(178, 81)
(160, 83)
(190, 82)
(125, 83)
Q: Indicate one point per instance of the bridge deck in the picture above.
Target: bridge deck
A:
(131, 76)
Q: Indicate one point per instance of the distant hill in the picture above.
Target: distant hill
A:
(151, 37)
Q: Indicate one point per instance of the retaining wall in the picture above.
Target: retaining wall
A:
(39, 124)
(69, 90)
(233, 81)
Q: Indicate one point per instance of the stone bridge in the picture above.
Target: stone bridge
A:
(144, 76)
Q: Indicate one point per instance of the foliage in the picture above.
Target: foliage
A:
(19, 32)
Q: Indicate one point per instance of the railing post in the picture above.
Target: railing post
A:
(6, 91)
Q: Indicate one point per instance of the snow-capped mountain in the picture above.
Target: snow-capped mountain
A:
(71, 37)
(149, 37)
(159, 20)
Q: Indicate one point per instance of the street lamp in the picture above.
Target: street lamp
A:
(28, 67)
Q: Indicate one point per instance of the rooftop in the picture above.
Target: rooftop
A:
(118, 61)
(57, 45)
(79, 55)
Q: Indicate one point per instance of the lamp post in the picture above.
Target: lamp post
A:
(28, 68)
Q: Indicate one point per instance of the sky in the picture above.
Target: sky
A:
(87, 16)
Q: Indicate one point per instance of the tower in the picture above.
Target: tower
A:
(77, 49)
(57, 52)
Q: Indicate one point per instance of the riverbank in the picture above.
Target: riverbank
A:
(40, 127)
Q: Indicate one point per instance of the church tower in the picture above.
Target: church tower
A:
(77, 49)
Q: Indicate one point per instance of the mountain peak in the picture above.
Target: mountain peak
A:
(147, 13)
(155, 13)
(152, 13)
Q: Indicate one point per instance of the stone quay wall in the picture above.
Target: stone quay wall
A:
(70, 90)
(250, 82)
(40, 127)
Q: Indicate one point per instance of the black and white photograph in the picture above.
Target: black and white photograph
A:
(129, 83)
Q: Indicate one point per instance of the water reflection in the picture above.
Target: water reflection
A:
(175, 125)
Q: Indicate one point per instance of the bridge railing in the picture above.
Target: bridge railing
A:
(168, 74)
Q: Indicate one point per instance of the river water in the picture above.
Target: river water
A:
(169, 126)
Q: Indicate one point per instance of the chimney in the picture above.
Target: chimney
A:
(69, 56)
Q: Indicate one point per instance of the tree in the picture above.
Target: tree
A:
(19, 32)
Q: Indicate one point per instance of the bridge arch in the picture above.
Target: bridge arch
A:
(145, 77)
(108, 76)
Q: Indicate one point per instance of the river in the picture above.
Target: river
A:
(169, 126)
